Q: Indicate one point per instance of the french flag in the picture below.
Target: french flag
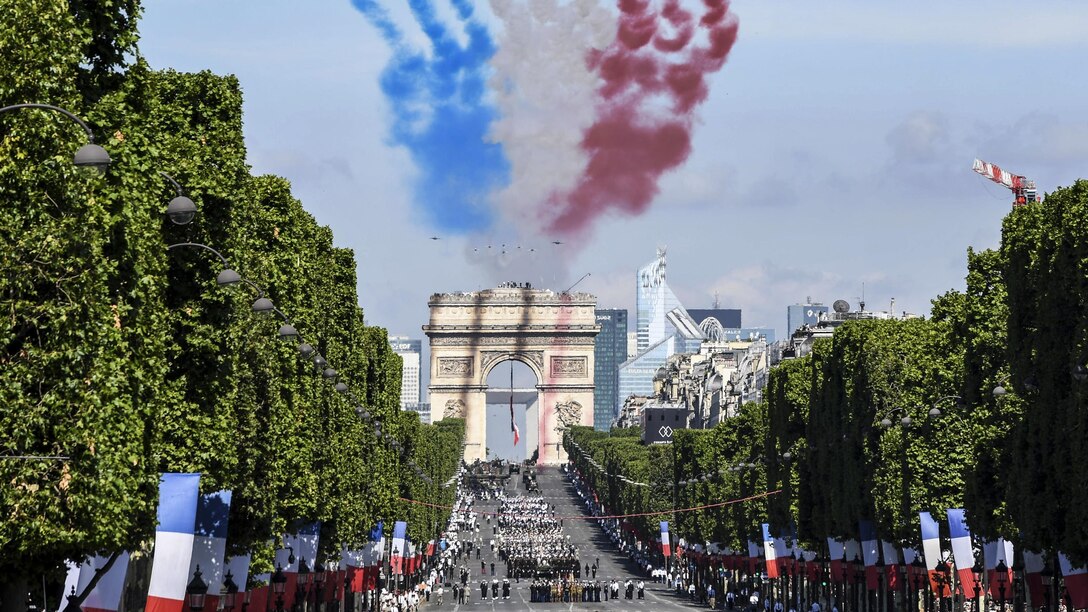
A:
(106, 595)
(962, 551)
(769, 552)
(891, 564)
(303, 545)
(994, 552)
(753, 556)
(1033, 575)
(836, 550)
(396, 559)
(1076, 582)
(869, 553)
(210, 544)
(174, 536)
(666, 545)
(853, 553)
(931, 550)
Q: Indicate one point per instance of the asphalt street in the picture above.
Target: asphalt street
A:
(593, 544)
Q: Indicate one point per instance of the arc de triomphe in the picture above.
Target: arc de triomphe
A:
(552, 333)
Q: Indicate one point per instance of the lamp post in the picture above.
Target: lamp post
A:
(1018, 585)
(881, 595)
(279, 585)
(302, 591)
(196, 591)
(319, 585)
(976, 571)
(942, 575)
(859, 582)
(230, 592)
(1001, 575)
(917, 572)
(1047, 578)
(89, 155)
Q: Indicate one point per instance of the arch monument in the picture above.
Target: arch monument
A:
(553, 333)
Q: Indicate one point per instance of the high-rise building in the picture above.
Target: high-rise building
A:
(653, 301)
(409, 351)
(728, 318)
(803, 314)
(609, 351)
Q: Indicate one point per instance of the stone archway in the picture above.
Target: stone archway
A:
(552, 333)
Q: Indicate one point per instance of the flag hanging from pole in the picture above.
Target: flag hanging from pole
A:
(174, 538)
(396, 558)
(962, 551)
(513, 425)
(210, 544)
(666, 548)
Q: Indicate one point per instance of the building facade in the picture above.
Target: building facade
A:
(609, 351)
(653, 301)
(810, 313)
(410, 351)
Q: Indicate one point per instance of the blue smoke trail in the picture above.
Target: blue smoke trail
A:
(440, 115)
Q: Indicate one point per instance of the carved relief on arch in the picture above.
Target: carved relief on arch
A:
(490, 357)
(566, 414)
(455, 409)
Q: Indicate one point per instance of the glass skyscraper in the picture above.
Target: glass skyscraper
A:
(653, 302)
(609, 351)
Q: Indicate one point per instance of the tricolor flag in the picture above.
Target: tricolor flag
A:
(174, 537)
(210, 544)
(931, 550)
(396, 558)
(666, 545)
(994, 552)
(1033, 574)
(891, 564)
(853, 553)
(962, 551)
(870, 553)
(835, 551)
(106, 595)
(1076, 582)
(753, 556)
(769, 552)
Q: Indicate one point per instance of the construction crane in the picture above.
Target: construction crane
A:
(1022, 188)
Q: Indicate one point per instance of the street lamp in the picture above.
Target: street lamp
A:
(859, 580)
(976, 571)
(943, 576)
(917, 572)
(1046, 576)
(935, 412)
(1018, 585)
(279, 585)
(319, 584)
(1002, 578)
(230, 590)
(195, 592)
(89, 155)
(181, 209)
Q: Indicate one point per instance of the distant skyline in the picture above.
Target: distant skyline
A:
(834, 149)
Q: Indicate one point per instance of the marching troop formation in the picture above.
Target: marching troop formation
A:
(531, 539)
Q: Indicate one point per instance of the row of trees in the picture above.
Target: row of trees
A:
(128, 361)
(1013, 460)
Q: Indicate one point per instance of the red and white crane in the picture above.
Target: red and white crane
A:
(1023, 189)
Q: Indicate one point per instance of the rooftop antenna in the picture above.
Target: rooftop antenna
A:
(576, 282)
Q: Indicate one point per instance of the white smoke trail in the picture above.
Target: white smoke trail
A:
(546, 96)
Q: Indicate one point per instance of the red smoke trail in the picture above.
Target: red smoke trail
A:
(635, 138)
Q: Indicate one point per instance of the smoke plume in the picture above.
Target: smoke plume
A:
(652, 78)
(440, 114)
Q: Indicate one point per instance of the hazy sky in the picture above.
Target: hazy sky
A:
(834, 149)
